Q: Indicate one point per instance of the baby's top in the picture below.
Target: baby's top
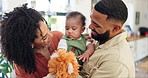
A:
(79, 45)
(63, 44)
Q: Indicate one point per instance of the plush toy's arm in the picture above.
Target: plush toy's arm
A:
(54, 55)
(50, 76)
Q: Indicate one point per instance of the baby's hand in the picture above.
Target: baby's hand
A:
(84, 57)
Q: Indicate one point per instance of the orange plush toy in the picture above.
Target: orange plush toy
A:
(63, 64)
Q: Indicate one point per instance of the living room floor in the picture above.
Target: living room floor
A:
(142, 68)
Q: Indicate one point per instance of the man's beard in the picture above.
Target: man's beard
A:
(101, 37)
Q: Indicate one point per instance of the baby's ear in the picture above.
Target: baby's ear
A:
(83, 28)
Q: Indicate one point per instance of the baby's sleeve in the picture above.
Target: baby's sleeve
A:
(87, 42)
(62, 44)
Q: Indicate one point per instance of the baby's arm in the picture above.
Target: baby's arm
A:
(89, 51)
(62, 44)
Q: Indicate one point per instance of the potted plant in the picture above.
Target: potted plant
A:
(5, 66)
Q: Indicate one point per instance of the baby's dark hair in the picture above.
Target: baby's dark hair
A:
(18, 30)
(76, 15)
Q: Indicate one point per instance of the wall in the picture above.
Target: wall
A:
(8, 5)
(0, 5)
(134, 6)
(84, 6)
(137, 6)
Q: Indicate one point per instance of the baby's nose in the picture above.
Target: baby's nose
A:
(70, 30)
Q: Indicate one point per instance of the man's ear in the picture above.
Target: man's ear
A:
(116, 28)
(83, 28)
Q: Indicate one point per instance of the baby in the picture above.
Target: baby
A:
(74, 40)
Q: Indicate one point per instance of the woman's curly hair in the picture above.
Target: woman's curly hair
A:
(18, 31)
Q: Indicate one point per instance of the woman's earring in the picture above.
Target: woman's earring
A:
(32, 45)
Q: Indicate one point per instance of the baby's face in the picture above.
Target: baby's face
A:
(73, 29)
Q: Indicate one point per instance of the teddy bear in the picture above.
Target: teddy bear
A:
(63, 64)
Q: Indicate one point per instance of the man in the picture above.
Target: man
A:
(112, 57)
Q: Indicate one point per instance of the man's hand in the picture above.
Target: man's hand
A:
(89, 38)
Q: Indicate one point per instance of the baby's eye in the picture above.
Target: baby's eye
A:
(73, 28)
(67, 28)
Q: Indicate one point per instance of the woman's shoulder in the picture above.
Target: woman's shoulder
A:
(57, 33)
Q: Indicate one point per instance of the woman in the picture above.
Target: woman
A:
(27, 42)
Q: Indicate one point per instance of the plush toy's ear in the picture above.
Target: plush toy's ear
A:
(70, 68)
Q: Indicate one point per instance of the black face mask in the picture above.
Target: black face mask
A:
(101, 37)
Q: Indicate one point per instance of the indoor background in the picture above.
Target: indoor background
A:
(54, 12)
